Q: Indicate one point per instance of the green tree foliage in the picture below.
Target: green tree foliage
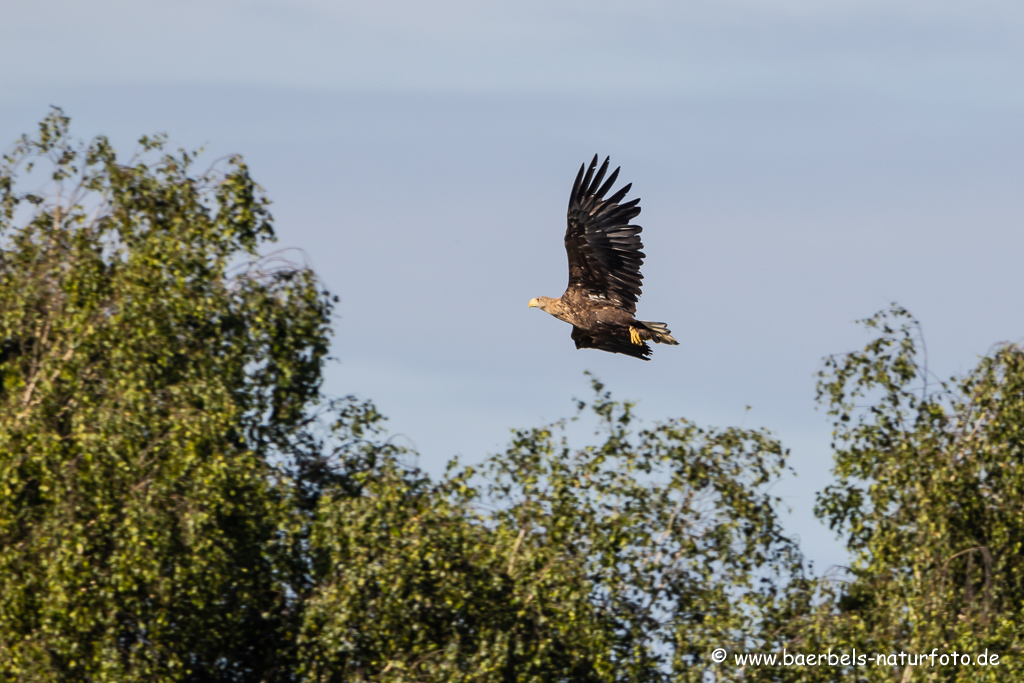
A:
(179, 501)
(630, 560)
(929, 496)
(150, 369)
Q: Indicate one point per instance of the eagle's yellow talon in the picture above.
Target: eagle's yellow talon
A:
(634, 336)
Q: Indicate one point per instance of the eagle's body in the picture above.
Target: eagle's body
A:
(604, 251)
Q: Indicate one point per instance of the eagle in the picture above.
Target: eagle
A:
(605, 255)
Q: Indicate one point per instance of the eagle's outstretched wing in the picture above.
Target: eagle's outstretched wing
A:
(604, 249)
(597, 338)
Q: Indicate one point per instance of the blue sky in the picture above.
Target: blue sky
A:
(800, 164)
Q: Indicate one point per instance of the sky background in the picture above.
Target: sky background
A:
(800, 164)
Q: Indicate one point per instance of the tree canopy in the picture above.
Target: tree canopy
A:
(180, 500)
(151, 369)
(626, 560)
(928, 493)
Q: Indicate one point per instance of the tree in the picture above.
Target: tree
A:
(628, 560)
(928, 495)
(151, 367)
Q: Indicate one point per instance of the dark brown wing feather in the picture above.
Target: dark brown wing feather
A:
(605, 340)
(604, 249)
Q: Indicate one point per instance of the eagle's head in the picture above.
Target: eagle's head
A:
(542, 302)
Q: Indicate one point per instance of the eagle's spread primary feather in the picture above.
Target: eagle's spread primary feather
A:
(605, 255)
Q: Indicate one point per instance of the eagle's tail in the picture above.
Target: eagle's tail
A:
(659, 333)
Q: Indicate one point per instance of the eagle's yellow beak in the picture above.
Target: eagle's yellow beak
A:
(534, 303)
